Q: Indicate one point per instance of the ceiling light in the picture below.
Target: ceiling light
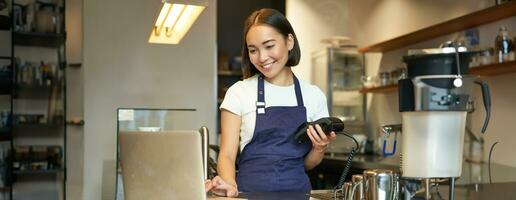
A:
(175, 19)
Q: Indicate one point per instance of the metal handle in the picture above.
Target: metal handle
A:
(458, 81)
(205, 149)
(387, 130)
(486, 96)
(393, 150)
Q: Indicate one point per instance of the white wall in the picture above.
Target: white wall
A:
(313, 21)
(122, 70)
(373, 21)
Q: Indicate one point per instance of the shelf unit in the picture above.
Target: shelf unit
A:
(6, 89)
(474, 19)
(40, 171)
(494, 69)
(52, 40)
(36, 86)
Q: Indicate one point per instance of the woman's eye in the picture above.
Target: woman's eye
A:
(269, 47)
(252, 51)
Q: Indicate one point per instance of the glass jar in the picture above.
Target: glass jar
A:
(504, 46)
(385, 78)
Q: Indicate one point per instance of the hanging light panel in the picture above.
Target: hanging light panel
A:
(174, 20)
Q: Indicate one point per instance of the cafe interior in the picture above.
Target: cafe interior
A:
(418, 92)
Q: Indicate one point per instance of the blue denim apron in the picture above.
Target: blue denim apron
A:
(273, 160)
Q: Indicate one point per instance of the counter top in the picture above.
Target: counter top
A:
(362, 161)
(471, 172)
(499, 191)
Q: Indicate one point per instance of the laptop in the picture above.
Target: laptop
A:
(162, 165)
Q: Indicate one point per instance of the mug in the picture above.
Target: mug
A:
(381, 184)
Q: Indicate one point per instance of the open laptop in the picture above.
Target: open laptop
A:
(162, 165)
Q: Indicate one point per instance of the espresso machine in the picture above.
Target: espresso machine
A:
(434, 99)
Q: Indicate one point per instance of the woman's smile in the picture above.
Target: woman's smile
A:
(268, 65)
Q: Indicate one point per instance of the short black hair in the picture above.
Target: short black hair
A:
(276, 20)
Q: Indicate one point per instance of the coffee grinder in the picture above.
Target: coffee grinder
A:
(434, 99)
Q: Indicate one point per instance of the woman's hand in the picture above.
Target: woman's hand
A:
(319, 139)
(220, 188)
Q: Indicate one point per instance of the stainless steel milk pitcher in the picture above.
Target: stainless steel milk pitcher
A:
(381, 184)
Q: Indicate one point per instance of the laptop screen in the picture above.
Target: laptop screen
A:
(161, 165)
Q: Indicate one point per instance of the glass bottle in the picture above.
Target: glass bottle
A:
(503, 45)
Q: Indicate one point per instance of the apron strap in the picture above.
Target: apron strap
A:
(299, 96)
(260, 103)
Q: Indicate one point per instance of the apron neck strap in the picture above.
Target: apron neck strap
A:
(261, 92)
(299, 96)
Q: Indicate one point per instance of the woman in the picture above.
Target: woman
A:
(265, 110)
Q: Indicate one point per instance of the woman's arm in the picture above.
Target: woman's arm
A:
(230, 127)
(319, 144)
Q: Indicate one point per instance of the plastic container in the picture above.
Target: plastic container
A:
(432, 144)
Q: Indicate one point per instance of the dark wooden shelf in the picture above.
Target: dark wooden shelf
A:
(486, 70)
(40, 171)
(380, 89)
(75, 65)
(229, 73)
(34, 91)
(33, 87)
(41, 125)
(53, 40)
(494, 69)
(461, 23)
(79, 122)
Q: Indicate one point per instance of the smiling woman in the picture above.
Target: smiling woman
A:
(264, 110)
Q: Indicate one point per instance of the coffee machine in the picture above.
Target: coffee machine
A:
(434, 99)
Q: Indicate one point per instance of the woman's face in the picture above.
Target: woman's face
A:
(268, 49)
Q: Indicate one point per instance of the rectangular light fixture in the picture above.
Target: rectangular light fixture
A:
(175, 19)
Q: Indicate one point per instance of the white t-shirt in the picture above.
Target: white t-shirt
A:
(241, 99)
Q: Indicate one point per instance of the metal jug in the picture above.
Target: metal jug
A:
(381, 184)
